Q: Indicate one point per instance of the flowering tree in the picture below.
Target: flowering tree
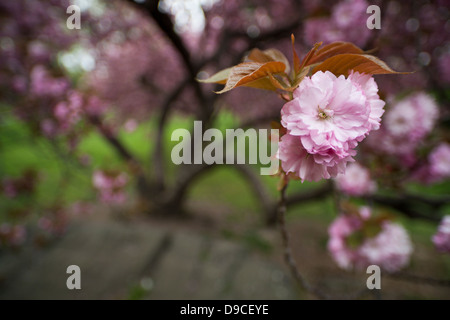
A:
(139, 59)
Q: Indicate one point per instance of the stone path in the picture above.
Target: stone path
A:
(124, 260)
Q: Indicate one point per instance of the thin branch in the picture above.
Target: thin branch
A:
(288, 257)
(303, 197)
(158, 155)
(292, 264)
(166, 25)
(411, 206)
(142, 182)
(159, 253)
(113, 140)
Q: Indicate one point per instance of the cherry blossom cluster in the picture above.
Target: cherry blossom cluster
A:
(356, 181)
(357, 240)
(442, 237)
(12, 235)
(110, 186)
(326, 119)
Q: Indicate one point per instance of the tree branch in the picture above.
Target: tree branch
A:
(158, 155)
(412, 206)
(165, 24)
(122, 151)
(113, 140)
(306, 196)
(288, 257)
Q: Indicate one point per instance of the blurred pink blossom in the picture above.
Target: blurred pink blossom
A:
(442, 237)
(111, 186)
(390, 248)
(68, 112)
(355, 181)
(12, 236)
(413, 117)
(9, 188)
(405, 126)
(439, 160)
(130, 125)
(43, 84)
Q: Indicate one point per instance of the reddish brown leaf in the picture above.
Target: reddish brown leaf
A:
(261, 83)
(220, 77)
(247, 72)
(364, 63)
(309, 55)
(333, 49)
(268, 55)
(295, 56)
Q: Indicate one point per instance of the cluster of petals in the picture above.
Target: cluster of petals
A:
(442, 237)
(326, 119)
(111, 186)
(12, 235)
(412, 118)
(356, 181)
(390, 248)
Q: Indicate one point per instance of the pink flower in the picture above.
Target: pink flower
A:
(370, 88)
(68, 112)
(355, 181)
(329, 115)
(353, 248)
(54, 223)
(9, 188)
(437, 168)
(412, 118)
(13, 236)
(130, 125)
(294, 158)
(442, 237)
(110, 186)
(439, 160)
(43, 84)
(48, 128)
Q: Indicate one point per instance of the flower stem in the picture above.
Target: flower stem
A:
(288, 257)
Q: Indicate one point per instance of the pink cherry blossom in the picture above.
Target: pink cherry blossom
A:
(412, 118)
(370, 88)
(9, 188)
(439, 160)
(295, 158)
(68, 112)
(12, 236)
(111, 186)
(130, 125)
(442, 237)
(355, 181)
(390, 248)
(43, 84)
(329, 115)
